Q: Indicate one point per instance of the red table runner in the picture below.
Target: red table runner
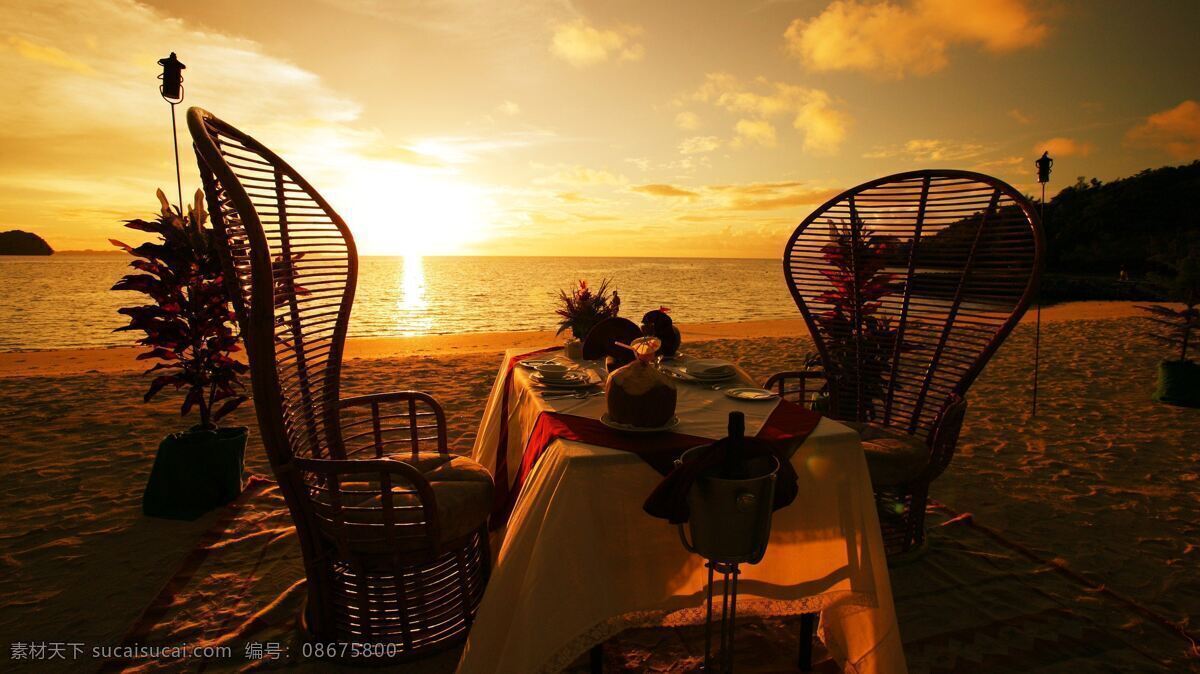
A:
(787, 422)
(500, 474)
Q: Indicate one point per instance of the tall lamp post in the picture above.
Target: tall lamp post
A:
(1043, 175)
(172, 92)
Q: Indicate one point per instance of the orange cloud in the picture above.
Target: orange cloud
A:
(687, 120)
(699, 144)
(660, 190)
(581, 44)
(758, 188)
(1064, 147)
(754, 132)
(582, 175)
(893, 40)
(1005, 164)
(1020, 116)
(812, 111)
(773, 196)
(48, 55)
(1175, 131)
(795, 200)
(928, 149)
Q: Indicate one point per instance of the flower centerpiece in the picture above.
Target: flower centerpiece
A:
(581, 309)
(189, 329)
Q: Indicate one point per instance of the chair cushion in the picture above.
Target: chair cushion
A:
(893, 456)
(462, 488)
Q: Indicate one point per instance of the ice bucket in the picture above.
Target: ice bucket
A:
(730, 519)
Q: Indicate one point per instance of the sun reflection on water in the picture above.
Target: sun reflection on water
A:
(412, 309)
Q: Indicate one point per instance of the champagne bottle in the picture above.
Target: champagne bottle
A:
(735, 466)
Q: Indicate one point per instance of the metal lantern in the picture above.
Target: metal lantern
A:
(172, 92)
(1043, 172)
(172, 79)
(1043, 167)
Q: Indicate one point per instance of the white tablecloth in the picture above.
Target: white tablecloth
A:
(581, 561)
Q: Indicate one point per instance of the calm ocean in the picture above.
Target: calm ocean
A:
(64, 301)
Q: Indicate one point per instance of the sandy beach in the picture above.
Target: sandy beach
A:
(1103, 483)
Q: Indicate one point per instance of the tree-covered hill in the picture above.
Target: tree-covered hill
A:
(1100, 228)
(1142, 224)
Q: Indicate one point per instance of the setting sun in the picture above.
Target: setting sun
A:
(399, 210)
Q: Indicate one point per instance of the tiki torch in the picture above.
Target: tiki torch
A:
(1043, 176)
(172, 92)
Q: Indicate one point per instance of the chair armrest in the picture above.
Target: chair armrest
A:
(343, 510)
(797, 383)
(943, 438)
(397, 423)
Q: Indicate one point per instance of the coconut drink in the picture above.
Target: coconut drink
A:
(638, 394)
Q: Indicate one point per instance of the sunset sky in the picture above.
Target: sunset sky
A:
(587, 128)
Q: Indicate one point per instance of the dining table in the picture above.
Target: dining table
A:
(576, 559)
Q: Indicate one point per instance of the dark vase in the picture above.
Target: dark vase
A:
(195, 472)
(1178, 383)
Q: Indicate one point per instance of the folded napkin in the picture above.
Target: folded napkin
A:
(669, 499)
(709, 368)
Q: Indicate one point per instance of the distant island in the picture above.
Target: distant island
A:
(16, 242)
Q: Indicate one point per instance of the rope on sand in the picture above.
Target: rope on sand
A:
(1100, 588)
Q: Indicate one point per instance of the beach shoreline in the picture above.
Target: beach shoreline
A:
(120, 359)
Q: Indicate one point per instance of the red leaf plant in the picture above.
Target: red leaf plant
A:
(861, 343)
(583, 308)
(188, 324)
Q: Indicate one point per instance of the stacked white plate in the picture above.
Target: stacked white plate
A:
(709, 369)
(560, 376)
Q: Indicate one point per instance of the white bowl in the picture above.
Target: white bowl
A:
(556, 371)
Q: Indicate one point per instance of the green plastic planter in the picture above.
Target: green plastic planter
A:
(1178, 383)
(195, 472)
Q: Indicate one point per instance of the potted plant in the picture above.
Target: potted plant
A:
(861, 341)
(1179, 379)
(582, 309)
(189, 328)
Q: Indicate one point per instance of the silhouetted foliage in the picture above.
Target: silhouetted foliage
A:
(858, 283)
(1178, 327)
(189, 325)
(583, 308)
(1141, 223)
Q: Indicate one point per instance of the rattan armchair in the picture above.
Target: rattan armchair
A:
(391, 524)
(908, 284)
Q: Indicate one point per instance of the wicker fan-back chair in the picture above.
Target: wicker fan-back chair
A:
(909, 284)
(391, 525)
